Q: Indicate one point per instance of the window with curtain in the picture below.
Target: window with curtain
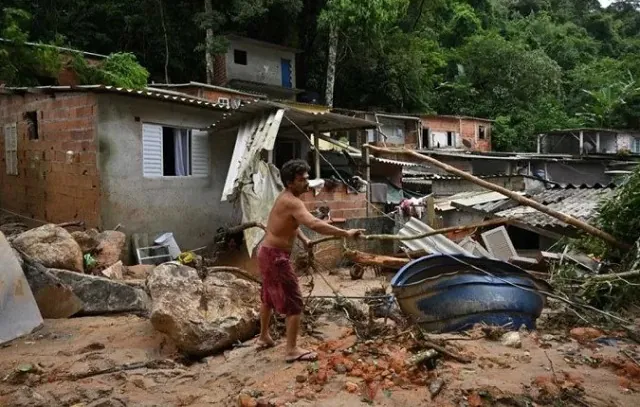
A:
(174, 152)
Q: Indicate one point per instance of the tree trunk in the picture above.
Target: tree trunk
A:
(166, 43)
(208, 8)
(331, 65)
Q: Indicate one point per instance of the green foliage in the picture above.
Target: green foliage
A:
(533, 65)
(21, 64)
(120, 69)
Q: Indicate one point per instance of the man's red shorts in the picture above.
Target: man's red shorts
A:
(280, 289)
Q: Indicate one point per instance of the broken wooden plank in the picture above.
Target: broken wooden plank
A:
(380, 260)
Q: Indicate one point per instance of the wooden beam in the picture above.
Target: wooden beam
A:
(316, 147)
(518, 198)
(367, 174)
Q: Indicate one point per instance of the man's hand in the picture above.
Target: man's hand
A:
(354, 233)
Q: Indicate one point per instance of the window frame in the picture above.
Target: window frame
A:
(199, 134)
(11, 148)
(240, 54)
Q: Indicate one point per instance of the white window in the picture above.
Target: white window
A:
(174, 152)
(11, 148)
(223, 101)
(635, 146)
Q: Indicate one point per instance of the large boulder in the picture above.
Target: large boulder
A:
(87, 239)
(202, 316)
(109, 250)
(52, 246)
(100, 295)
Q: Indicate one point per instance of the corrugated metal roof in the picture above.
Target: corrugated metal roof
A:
(470, 199)
(432, 244)
(395, 162)
(580, 203)
(157, 94)
(211, 87)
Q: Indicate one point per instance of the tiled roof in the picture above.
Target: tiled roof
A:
(581, 203)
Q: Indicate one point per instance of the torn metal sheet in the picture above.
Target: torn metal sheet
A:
(253, 137)
(19, 313)
(432, 244)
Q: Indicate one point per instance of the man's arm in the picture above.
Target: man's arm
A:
(304, 217)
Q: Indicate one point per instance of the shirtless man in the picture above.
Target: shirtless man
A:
(280, 290)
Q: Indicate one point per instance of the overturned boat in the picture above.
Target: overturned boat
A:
(444, 293)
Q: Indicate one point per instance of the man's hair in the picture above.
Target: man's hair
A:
(292, 168)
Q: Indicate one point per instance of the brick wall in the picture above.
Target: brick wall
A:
(220, 70)
(465, 127)
(342, 204)
(52, 186)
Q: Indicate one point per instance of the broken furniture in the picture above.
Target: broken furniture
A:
(444, 293)
(154, 254)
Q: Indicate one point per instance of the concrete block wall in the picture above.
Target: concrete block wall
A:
(342, 204)
(51, 185)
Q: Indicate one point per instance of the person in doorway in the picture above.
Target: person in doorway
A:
(280, 290)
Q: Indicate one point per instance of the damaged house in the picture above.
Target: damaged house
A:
(149, 161)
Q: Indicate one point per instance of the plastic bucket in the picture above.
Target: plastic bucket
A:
(166, 239)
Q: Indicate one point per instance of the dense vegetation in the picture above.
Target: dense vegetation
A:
(532, 65)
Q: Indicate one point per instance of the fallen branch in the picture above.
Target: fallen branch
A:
(514, 196)
(234, 270)
(455, 229)
(421, 357)
(375, 259)
(237, 229)
(614, 276)
(455, 356)
(79, 223)
(150, 364)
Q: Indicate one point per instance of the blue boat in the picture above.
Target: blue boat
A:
(445, 293)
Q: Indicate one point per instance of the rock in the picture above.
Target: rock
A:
(139, 271)
(512, 339)
(99, 295)
(13, 229)
(115, 271)
(51, 246)
(87, 240)
(585, 334)
(245, 400)
(109, 249)
(435, 386)
(340, 368)
(55, 298)
(351, 387)
(206, 316)
(301, 378)
(108, 402)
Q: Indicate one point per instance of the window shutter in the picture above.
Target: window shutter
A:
(499, 244)
(152, 150)
(199, 153)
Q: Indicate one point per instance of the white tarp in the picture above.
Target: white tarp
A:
(19, 313)
(257, 198)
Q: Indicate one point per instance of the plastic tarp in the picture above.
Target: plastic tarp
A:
(19, 313)
(257, 198)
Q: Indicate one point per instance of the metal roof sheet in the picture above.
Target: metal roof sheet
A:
(470, 199)
(581, 203)
(396, 162)
(432, 244)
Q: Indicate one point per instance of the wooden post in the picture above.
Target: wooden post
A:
(539, 143)
(431, 211)
(367, 173)
(514, 196)
(316, 146)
